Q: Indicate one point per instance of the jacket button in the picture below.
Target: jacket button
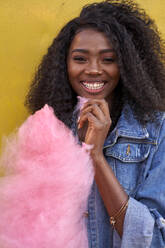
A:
(128, 150)
(162, 220)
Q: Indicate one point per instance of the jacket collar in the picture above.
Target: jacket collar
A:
(128, 127)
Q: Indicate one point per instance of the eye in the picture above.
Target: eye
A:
(79, 59)
(108, 60)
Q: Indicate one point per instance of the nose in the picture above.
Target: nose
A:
(93, 69)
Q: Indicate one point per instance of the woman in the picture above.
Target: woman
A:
(113, 56)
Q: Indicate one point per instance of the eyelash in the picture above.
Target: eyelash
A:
(79, 59)
(82, 59)
(108, 60)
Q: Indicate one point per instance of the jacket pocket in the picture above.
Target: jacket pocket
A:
(129, 158)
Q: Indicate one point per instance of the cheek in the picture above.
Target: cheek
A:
(115, 73)
(72, 71)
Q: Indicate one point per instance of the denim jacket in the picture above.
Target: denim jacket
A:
(137, 157)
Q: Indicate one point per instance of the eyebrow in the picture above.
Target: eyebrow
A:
(86, 51)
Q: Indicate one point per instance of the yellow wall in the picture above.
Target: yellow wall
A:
(27, 27)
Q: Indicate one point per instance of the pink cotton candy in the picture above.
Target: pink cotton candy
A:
(43, 195)
(81, 102)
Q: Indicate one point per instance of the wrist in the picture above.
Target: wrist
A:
(97, 157)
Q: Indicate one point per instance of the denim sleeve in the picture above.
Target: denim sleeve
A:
(144, 225)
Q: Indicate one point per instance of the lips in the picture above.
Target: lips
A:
(93, 85)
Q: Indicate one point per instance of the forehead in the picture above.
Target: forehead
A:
(90, 39)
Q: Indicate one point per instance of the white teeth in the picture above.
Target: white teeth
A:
(93, 86)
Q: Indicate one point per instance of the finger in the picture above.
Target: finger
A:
(95, 110)
(101, 103)
(87, 117)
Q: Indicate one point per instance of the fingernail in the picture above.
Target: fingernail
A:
(78, 119)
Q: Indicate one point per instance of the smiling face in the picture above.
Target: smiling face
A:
(92, 65)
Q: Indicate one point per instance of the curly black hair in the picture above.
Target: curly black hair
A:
(140, 53)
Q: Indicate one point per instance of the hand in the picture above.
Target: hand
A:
(95, 118)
